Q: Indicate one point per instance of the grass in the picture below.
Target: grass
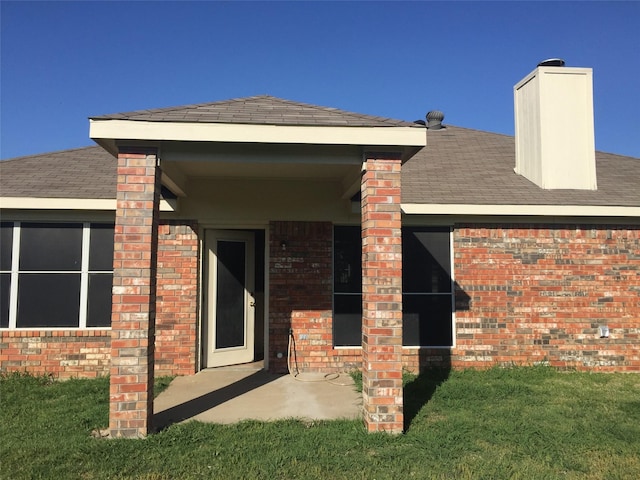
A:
(525, 422)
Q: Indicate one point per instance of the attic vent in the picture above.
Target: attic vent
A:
(552, 62)
(434, 120)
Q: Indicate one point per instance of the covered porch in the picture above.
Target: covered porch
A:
(261, 201)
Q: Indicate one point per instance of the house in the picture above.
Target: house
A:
(215, 234)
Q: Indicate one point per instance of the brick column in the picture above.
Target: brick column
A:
(382, 294)
(134, 292)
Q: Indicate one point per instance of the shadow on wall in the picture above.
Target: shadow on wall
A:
(461, 298)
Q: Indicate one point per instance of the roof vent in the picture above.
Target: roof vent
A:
(434, 120)
(552, 62)
(419, 122)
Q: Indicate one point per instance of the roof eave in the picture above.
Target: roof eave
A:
(95, 204)
(108, 132)
(521, 210)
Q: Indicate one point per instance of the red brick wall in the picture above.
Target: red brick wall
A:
(177, 299)
(537, 293)
(60, 353)
(301, 297)
(525, 294)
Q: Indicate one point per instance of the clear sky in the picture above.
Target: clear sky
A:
(62, 62)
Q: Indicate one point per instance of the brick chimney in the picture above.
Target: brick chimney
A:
(555, 146)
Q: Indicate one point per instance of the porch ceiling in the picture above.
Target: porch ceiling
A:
(182, 162)
(261, 170)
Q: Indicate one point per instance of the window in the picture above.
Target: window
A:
(347, 286)
(427, 293)
(55, 275)
(427, 286)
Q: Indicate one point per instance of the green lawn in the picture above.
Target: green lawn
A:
(529, 423)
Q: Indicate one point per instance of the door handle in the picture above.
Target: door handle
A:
(252, 304)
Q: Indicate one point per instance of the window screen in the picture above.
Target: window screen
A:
(426, 282)
(101, 250)
(6, 245)
(5, 288)
(347, 286)
(426, 287)
(50, 277)
(50, 247)
(48, 300)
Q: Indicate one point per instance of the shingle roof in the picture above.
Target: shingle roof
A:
(464, 166)
(262, 109)
(88, 172)
(458, 166)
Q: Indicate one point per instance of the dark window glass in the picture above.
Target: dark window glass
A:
(48, 300)
(50, 246)
(6, 245)
(99, 296)
(101, 247)
(5, 287)
(426, 320)
(347, 320)
(426, 265)
(347, 260)
(230, 294)
(347, 279)
(426, 269)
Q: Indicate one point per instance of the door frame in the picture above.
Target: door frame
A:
(205, 272)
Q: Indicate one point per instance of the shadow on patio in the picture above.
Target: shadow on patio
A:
(232, 395)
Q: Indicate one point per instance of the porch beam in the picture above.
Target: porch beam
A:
(382, 293)
(134, 293)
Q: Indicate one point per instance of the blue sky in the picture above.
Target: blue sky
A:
(62, 62)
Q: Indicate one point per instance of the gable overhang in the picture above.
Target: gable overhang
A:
(109, 132)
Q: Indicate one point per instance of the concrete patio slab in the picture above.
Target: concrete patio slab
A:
(229, 395)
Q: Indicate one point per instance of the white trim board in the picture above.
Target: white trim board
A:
(32, 203)
(251, 133)
(521, 210)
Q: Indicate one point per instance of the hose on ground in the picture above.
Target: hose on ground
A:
(292, 367)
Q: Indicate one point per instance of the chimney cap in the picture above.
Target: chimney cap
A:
(552, 62)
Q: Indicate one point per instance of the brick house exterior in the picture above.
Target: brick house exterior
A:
(341, 234)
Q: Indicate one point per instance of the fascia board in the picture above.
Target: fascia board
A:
(249, 133)
(521, 210)
(33, 203)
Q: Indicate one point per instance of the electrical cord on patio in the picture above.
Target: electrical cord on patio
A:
(329, 377)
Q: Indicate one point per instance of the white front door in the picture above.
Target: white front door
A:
(230, 302)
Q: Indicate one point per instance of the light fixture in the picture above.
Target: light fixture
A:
(283, 245)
